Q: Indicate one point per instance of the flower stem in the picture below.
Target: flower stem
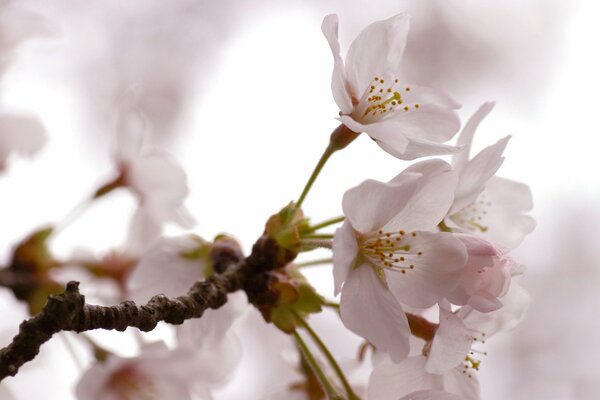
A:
(320, 261)
(349, 392)
(72, 216)
(310, 359)
(326, 223)
(311, 244)
(326, 154)
(317, 236)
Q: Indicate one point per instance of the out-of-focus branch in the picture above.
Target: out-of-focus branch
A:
(69, 312)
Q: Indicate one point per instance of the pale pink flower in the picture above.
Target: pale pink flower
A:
(166, 269)
(406, 120)
(484, 204)
(5, 394)
(486, 276)
(158, 182)
(157, 373)
(410, 380)
(389, 252)
(22, 135)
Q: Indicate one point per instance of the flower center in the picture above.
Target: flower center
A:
(380, 99)
(474, 216)
(390, 250)
(129, 383)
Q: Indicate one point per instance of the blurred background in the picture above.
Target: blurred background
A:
(239, 93)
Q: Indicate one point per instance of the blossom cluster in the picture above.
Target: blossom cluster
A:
(436, 235)
(421, 264)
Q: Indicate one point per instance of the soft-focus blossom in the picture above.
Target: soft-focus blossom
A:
(157, 373)
(484, 204)
(389, 252)
(390, 381)
(158, 182)
(485, 277)
(406, 120)
(169, 267)
(21, 135)
(5, 394)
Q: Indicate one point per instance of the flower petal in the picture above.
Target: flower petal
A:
(338, 79)
(377, 50)
(163, 269)
(23, 135)
(450, 345)
(430, 202)
(368, 309)
(370, 205)
(515, 304)
(478, 171)
(431, 395)
(419, 148)
(459, 160)
(437, 260)
(387, 131)
(345, 251)
(507, 224)
(429, 122)
(465, 385)
(391, 381)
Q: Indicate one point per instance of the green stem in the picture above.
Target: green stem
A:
(310, 359)
(320, 261)
(326, 154)
(317, 236)
(332, 304)
(326, 223)
(72, 216)
(349, 392)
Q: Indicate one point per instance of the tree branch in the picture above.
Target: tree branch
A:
(69, 312)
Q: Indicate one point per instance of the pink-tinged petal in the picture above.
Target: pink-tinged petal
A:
(427, 205)
(338, 79)
(368, 309)
(437, 261)
(431, 395)
(377, 50)
(345, 251)
(476, 174)
(5, 394)
(515, 305)
(424, 95)
(419, 148)
(144, 230)
(506, 221)
(370, 205)
(485, 303)
(387, 131)
(390, 381)
(464, 385)
(465, 139)
(164, 269)
(429, 123)
(450, 345)
(22, 135)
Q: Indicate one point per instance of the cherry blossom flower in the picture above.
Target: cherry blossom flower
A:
(389, 252)
(169, 267)
(153, 374)
(449, 363)
(157, 181)
(23, 135)
(484, 204)
(406, 120)
(486, 276)
(206, 353)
